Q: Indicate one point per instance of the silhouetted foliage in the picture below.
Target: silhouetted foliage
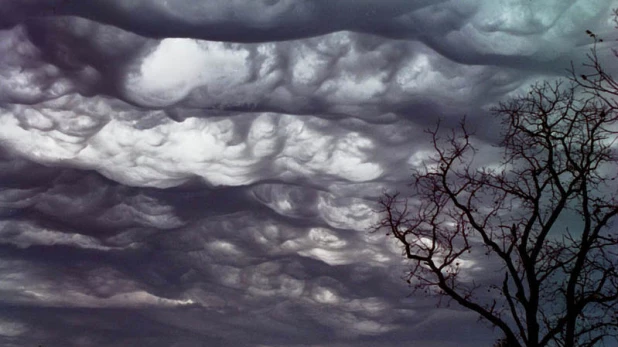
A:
(542, 215)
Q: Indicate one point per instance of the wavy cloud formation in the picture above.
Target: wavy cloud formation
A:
(205, 173)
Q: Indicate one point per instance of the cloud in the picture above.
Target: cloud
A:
(265, 20)
(12, 329)
(219, 150)
(206, 172)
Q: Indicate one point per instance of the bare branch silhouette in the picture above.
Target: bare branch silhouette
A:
(543, 216)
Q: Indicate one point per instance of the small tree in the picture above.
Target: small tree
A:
(543, 216)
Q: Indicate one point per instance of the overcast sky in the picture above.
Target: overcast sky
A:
(204, 172)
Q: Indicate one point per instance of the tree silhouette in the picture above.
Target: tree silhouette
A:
(503, 342)
(542, 217)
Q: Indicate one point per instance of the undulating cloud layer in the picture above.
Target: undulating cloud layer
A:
(205, 172)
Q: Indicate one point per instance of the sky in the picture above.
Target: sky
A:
(205, 172)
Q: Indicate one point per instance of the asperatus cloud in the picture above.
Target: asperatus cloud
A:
(206, 172)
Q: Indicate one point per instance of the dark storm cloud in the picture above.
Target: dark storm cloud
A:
(204, 173)
(227, 20)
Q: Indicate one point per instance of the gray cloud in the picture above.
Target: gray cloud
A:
(204, 173)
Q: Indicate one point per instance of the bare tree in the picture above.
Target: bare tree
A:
(542, 216)
(598, 84)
